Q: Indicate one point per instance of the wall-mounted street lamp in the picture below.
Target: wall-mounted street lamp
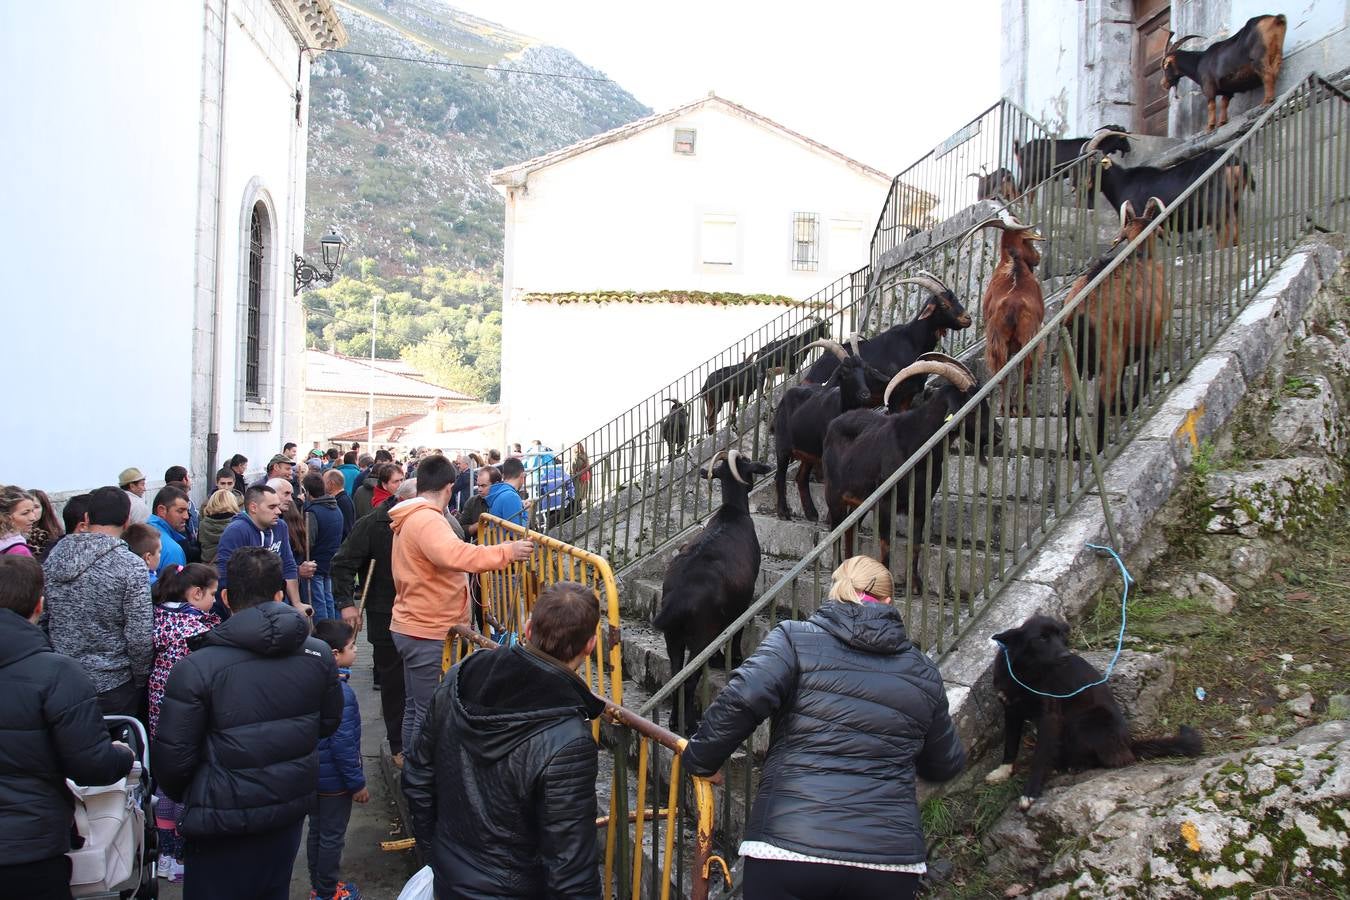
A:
(306, 274)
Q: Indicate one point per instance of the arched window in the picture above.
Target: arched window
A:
(253, 317)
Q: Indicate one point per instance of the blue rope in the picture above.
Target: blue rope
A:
(1120, 638)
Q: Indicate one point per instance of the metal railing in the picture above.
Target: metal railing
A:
(949, 177)
(1291, 174)
(676, 853)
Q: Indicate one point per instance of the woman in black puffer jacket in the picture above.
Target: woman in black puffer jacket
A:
(858, 711)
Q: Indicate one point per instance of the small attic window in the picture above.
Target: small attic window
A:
(684, 141)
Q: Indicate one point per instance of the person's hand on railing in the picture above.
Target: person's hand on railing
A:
(520, 550)
(308, 568)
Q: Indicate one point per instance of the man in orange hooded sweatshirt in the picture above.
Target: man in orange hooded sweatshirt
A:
(431, 589)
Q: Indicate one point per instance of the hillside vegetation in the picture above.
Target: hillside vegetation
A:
(399, 156)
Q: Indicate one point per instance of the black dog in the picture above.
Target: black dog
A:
(1084, 731)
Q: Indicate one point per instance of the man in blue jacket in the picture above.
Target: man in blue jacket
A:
(259, 524)
(170, 519)
(504, 497)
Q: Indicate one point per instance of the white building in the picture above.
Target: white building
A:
(340, 391)
(1078, 64)
(707, 197)
(155, 191)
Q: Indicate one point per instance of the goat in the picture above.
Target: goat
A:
(711, 580)
(898, 346)
(1122, 322)
(1249, 59)
(806, 411)
(783, 356)
(729, 384)
(1216, 206)
(675, 428)
(1013, 305)
(996, 185)
(1041, 158)
(864, 447)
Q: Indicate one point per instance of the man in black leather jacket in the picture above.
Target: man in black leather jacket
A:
(501, 779)
(238, 728)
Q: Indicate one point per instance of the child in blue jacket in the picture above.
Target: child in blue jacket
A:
(340, 777)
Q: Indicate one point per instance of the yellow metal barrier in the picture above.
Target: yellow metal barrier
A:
(507, 599)
(509, 595)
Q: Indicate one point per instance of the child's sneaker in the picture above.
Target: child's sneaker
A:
(175, 871)
(163, 867)
(347, 890)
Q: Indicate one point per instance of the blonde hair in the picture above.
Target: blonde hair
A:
(221, 502)
(10, 498)
(861, 574)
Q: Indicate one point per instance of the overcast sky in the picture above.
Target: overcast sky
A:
(880, 81)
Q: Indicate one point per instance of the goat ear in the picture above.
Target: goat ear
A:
(928, 308)
(760, 468)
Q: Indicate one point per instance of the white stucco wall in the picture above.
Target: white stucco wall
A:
(100, 160)
(1069, 62)
(575, 366)
(629, 216)
(110, 160)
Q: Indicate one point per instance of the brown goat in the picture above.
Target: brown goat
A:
(1013, 306)
(1122, 322)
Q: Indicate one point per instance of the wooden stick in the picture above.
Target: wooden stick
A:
(361, 604)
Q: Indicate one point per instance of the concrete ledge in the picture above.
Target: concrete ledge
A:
(1063, 575)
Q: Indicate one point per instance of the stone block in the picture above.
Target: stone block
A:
(1273, 495)
(1308, 416)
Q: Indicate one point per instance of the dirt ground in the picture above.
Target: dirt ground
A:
(378, 874)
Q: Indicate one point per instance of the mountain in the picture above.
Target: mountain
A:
(400, 149)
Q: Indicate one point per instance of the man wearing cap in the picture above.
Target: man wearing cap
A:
(133, 482)
(279, 466)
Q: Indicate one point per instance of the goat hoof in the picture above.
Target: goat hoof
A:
(1024, 803)
(999, 775)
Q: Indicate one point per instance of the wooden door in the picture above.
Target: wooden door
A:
(1152, 18)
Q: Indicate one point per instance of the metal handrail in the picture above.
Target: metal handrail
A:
(1306, 166)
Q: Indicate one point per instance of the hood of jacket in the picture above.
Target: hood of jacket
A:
(268, 629)
(270, 534)
(327, 500)
(19, 638)
(504, 697)
(871, 627)
(498, 489)
(400, 514)
(76, 554)
(349, 468)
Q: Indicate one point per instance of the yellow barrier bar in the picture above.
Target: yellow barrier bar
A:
(643, 744)
(671, 802)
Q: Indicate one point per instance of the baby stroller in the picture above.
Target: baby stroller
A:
(119, 846)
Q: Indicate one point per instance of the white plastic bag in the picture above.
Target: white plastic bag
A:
(420, 887)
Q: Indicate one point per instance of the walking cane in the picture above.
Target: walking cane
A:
(361, 604)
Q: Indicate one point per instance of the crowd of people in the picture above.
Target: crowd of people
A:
(230, 631)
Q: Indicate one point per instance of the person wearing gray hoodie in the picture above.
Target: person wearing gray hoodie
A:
(98, 609)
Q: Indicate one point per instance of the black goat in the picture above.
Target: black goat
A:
(1215, 206)
(711, 580)
(675, 428)
(1250, 59)
(864, 447)
(783, 356)
(1040, 158)
(806, 411)
(898, 346)
(729, 384)
(996, 185)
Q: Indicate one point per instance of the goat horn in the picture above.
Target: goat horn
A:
(927, 281)
(935, 356)
(1096, 139)
(956, 374)
(1173, 44)
(1162, 207)
(672, 401)
(853, 342)
(712, 463)
(832, 346)
(732, 456)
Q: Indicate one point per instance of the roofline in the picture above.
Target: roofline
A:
(516, 175)
(454, 397)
